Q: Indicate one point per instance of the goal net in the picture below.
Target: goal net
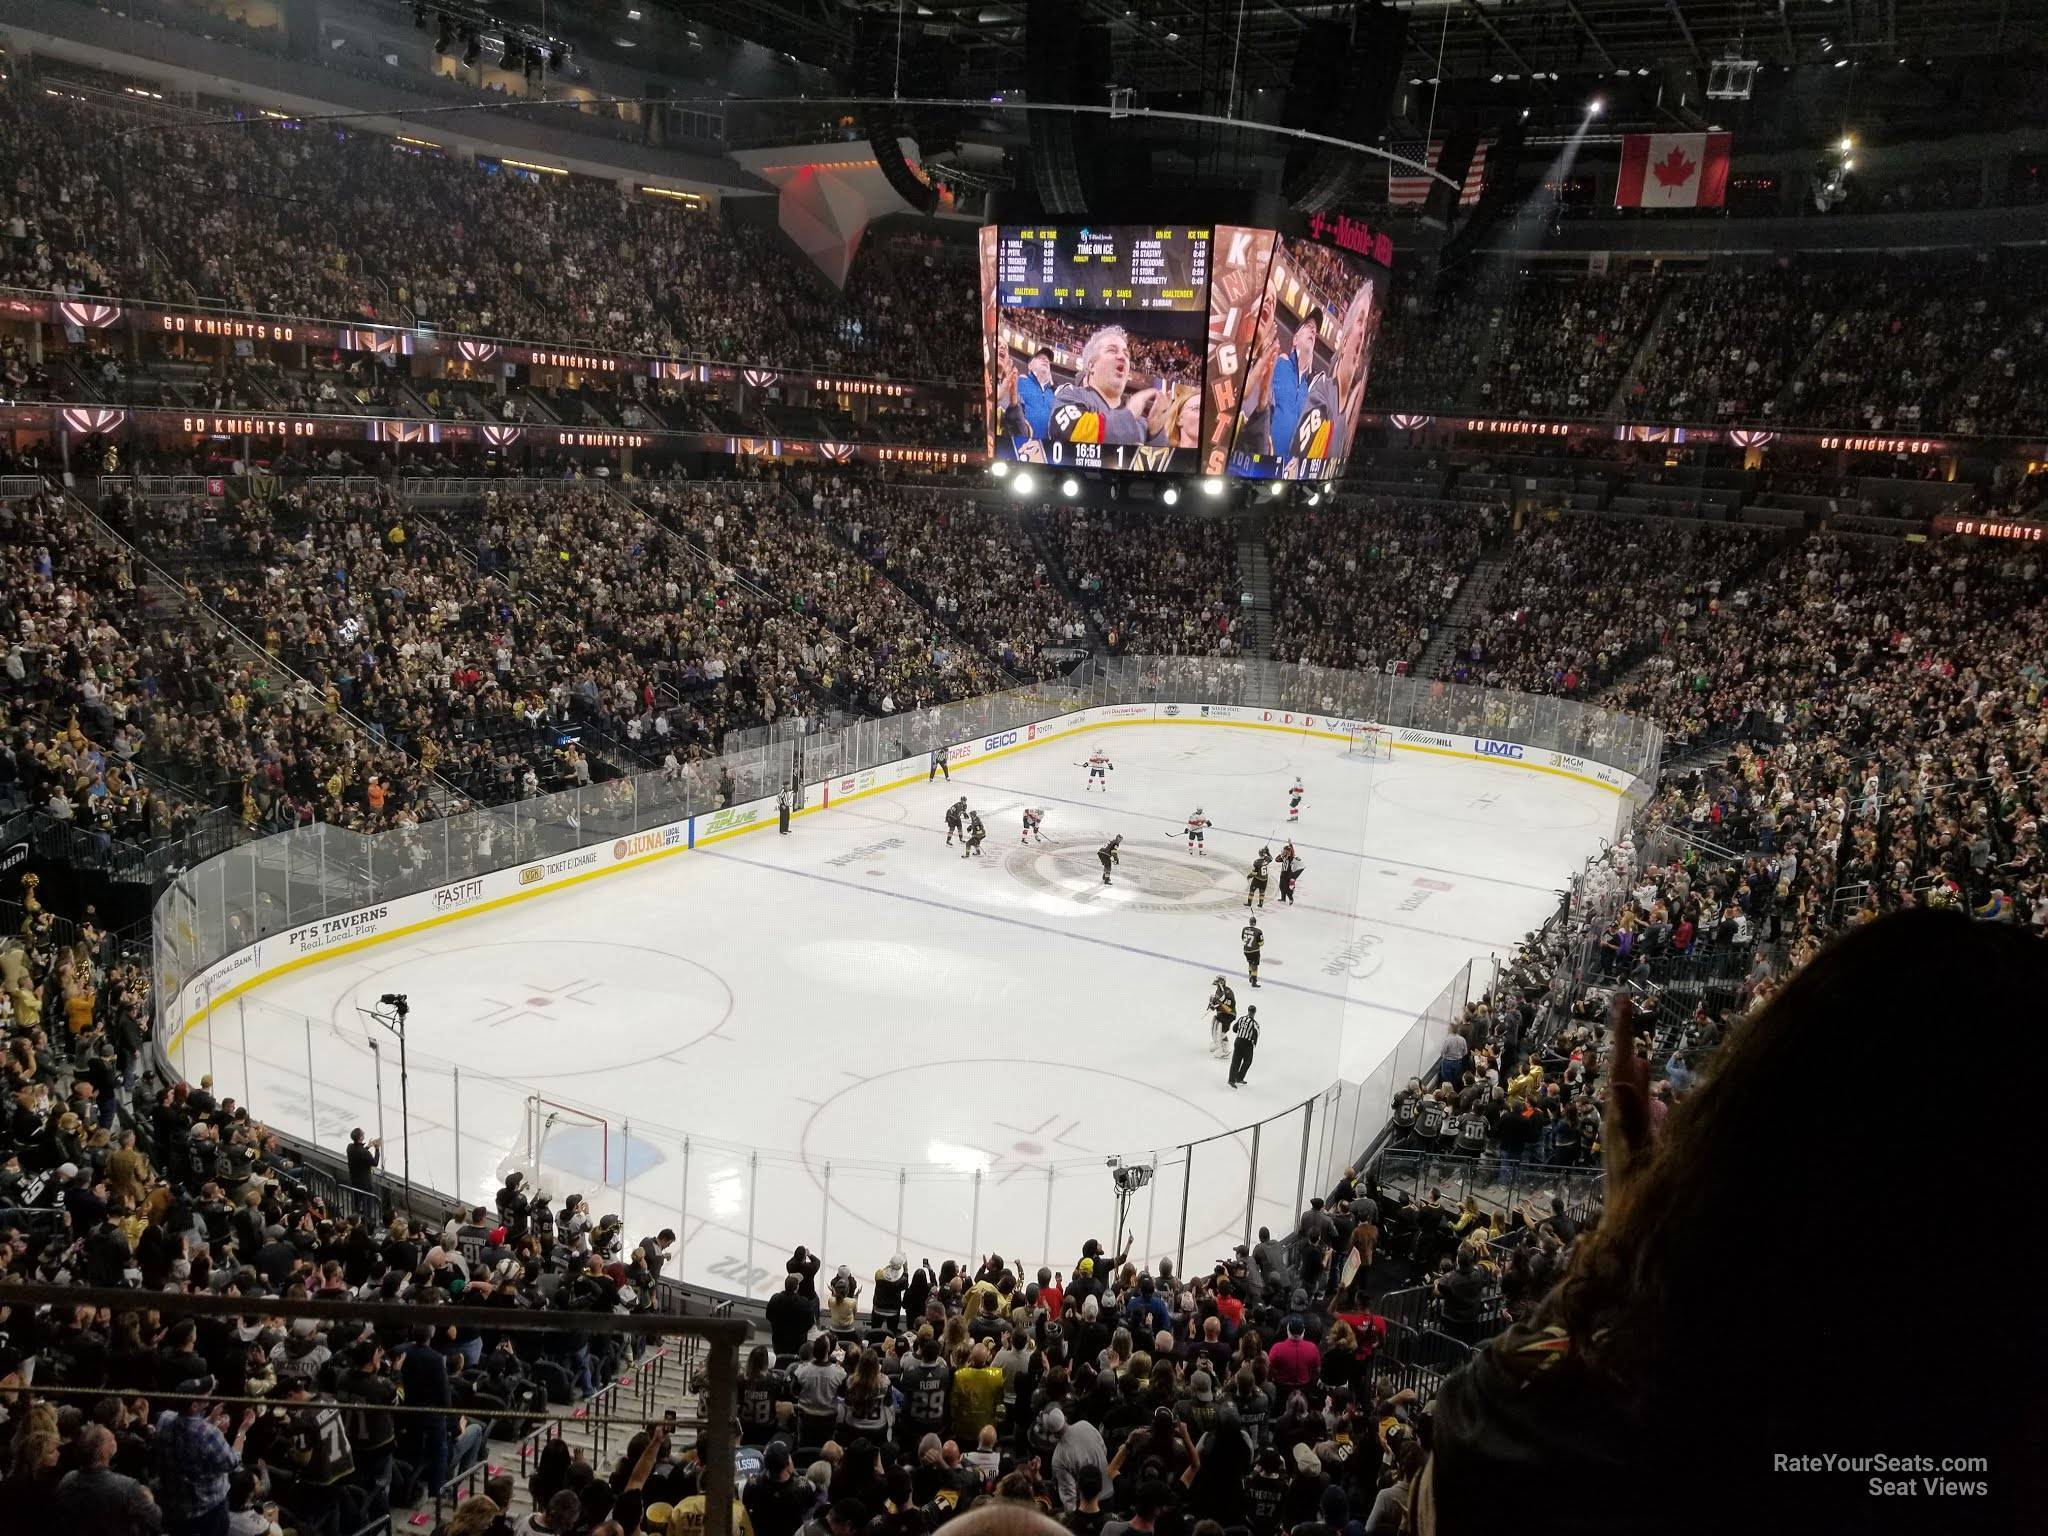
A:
(566, 1148)
(1370, 741)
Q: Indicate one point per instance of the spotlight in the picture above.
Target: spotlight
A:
(1595, 107)
(1023, 482)
(999, 468)
(1212, 487)
(1847, 143)
(1171, 496)
(1841, 63)
(1277, 488)
(1070, 487)
(1315, 498)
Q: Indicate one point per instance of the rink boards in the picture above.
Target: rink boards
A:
(346, 933)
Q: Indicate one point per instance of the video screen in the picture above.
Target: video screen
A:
(1095, 345)
(1297, 407)
(1237, 289)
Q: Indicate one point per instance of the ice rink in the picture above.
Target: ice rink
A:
(853, 1038)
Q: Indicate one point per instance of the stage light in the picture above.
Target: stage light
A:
(1315, 498)
(1277, 488)
(1171, 496)
(999, 468)
(1594, 107)
(1212, 486)
(1070, 487)
(1847, 143)
(1023, 482)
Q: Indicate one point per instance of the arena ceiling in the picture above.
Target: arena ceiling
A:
(1172, 46)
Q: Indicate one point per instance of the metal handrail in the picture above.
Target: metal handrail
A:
(441, 791)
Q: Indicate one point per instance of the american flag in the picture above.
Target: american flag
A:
(1405, 189)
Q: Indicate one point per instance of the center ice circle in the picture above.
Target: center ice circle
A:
(1145, 881)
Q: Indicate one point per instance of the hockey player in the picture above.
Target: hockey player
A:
(1294, 800)
(1254, 941)
(1034, 818)
(1290, 871)
(1098, 767)
(976, 833)
(1197, 825)
(1109, 854)
(1222, 1014)
(1247, 1032)
(956, 820)
(1255, 883)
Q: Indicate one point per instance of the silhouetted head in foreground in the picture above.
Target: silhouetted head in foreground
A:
(1805, 1262)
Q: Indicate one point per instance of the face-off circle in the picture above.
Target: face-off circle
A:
(1024, 1150)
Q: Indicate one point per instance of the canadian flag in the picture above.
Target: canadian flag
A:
(1673, 170)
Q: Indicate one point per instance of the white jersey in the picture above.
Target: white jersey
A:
(1098, 763)
(1198, 823)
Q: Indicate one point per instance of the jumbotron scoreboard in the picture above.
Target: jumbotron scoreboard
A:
(1115, 266)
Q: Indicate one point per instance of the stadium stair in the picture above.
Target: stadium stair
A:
(1255, 576)
(1617, 402)
(1056, 574)
(1467, 606)
(640, 1393)
(211, 629)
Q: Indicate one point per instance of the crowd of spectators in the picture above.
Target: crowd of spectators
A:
(1729, 342)
(967, 562)
(1155, 584)
(1362, 584)
(1561, 346)
(1896, 693)
(873, 647)
(1250, 1395)
(125, 721)
(222, 214)
(1430, 353)
(917, 293)
(1583, 597)
(115, 1416)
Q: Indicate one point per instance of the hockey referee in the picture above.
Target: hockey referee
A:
(1247, 1041)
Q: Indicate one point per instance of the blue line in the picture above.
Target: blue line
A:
(1342, 853)
(1058, 933)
